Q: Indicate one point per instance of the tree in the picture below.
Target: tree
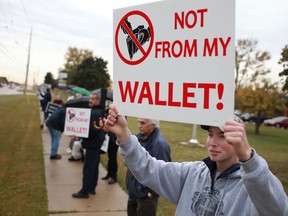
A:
(92, 74)
(253, 91)
(261, 100)
(249, 63)
(48, 79)
(74, 58)
(284, 62)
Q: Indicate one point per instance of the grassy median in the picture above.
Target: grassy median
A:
(22, 178)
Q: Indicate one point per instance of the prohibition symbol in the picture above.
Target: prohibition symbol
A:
(135, 38)
(71, 115)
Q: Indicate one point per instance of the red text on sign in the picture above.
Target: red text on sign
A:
(189, 19)
(213, 48)
(138, 92)
(78, 130)
(177, 48)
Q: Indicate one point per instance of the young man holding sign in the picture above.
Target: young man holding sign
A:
(233, 180)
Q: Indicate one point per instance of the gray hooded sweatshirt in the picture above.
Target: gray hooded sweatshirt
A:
(247, 188)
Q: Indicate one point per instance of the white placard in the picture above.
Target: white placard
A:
(77, 122)
(174, 60)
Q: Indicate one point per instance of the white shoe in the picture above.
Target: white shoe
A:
(68, 150)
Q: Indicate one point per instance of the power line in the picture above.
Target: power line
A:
(23, 6)
(6, 52)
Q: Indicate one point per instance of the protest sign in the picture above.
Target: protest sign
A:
(52, 107)
(178, 66)
(77, 122)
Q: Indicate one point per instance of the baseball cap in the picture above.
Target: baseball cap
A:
(236, 118)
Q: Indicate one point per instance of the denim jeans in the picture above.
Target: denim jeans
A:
(55, 139)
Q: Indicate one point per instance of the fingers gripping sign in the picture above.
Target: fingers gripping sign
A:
(235, 135)
(117, 124)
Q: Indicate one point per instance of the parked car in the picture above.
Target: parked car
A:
(279, 122)
(237, 112)
(248, 117)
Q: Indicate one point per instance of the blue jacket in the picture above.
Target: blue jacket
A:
(158, 147)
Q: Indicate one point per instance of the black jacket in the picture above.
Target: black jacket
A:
(57, 120)
(95, 137)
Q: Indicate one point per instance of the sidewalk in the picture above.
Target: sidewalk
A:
(64, 178)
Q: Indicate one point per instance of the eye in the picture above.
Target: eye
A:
(222, 136)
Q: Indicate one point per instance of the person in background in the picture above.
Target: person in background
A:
(55, 124)
(92, 146)
(112, 166)
(143, 200)
(58, 100)
(41, 96)
(234, 179)
(77, 152)
(47, 99)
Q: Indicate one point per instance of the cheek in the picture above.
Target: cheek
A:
(227, 148)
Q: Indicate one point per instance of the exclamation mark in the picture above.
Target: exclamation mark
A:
(220, 94)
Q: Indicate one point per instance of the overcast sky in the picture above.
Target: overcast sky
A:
(88, 24)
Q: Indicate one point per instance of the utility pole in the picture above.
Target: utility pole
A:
(27, 68)
(193, 140)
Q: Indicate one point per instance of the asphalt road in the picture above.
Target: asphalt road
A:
(11, 91)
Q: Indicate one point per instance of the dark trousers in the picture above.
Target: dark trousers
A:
(142, 207)
(112, 166)
(46, 116)
(90, 170)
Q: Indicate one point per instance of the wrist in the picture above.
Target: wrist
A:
(124, 136)
(249, 157)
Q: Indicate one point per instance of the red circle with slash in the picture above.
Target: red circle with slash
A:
(130, 33)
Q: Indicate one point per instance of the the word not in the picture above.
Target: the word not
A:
(189, 19)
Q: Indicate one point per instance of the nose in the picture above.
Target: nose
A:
(211, 141)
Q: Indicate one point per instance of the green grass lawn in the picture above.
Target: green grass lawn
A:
(22, 178)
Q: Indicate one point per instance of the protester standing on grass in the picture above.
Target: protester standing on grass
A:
(92, 145)
(112, 165)
(143, 201)
(233, 180)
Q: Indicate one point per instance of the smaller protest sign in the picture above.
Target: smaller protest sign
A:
(77, 122)
(52, 107)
